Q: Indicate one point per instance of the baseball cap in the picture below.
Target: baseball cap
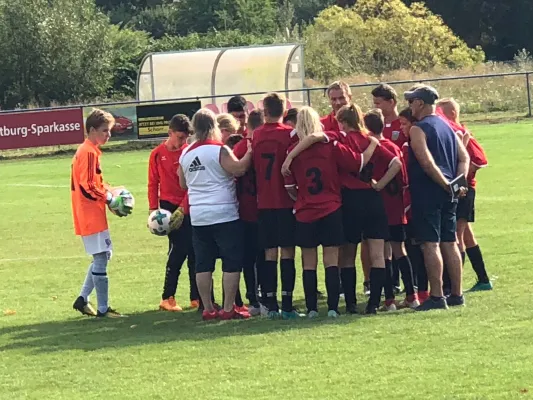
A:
(426, 93)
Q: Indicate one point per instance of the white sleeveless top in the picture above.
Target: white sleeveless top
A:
(212, 191)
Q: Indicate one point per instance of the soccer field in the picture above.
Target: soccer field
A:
(48, 351)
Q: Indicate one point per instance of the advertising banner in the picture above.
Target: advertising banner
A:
(153, 119)
(125, 120)
(41, 128)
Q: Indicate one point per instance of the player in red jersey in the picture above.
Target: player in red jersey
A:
(315, 184)
(339, 94)
(247, 196)
(386, 99)
(414, 251)
(276, 220)
(364, 214)
(164, 192)
(466, 206)
(392, 195)
(239, 109)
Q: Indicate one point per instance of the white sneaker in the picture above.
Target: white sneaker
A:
(312, 314)
(254, 310)
(410, 304)
(391, 307)
(333, 314)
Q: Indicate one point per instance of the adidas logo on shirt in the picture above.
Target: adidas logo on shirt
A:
(196, 165)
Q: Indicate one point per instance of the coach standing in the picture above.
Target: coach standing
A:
(208, 169)
(436, 157)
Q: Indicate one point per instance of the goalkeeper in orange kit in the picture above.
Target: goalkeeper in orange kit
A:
(90, 198)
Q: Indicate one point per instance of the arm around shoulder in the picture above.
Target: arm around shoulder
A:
(231, 164)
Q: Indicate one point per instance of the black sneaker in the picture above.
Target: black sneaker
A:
(320, 294)
(366, 287)
(455, 300)
(352, 309)
(371, 310)
(397, 290)
(83, 307)
(433, 303)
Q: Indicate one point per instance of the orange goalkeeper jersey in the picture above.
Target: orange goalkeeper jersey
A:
(87, 190)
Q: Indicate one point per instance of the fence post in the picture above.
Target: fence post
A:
(528, 95)
(308, 97)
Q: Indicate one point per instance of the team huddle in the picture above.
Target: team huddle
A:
(250, 187)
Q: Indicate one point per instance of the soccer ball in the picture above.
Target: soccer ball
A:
(129, 200)
(159, 222)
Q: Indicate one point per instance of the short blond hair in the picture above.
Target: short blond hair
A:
(97, 118)
(307, 122)
(450, 103)
(205, 127)
(339, 85)
(227, 122)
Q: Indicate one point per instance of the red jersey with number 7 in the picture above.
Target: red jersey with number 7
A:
(315, 173)
(269, 149)
(392, 194)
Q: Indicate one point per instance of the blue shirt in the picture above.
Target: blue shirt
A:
(442, 144)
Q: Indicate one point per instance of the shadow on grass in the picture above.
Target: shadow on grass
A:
(149, 327)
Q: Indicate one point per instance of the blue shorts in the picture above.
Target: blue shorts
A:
(435, 222)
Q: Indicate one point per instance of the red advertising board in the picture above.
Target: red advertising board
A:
(41, 128)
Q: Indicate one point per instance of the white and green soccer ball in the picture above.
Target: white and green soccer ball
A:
(159, 222)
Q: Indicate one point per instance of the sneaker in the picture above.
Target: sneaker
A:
(390, 305)
(241, 309)
(320, 294)
(366, 287)
(110, 313)
(294, 314)
(397, 290)
(410, 302)
(209, 316)
(371, 310)
(481, 287)
(195, 303)
(169, 305)
(273, 315)
(333, 314)
(351, 309)
(254, 310)
(433, 304)
(264, 310)
(312, 314)
(455, 301)
(233, 314)
(423, 296)
(85, 308)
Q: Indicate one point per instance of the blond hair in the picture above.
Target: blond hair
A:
(227, 122)
(339, 85)
(205, 127)
(97, 118)
(451, 104)
(308, 122)
(352, 115)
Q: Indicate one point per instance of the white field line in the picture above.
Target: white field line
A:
(36, 185)
(80, 257)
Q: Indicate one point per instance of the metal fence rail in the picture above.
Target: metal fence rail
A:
(308, 91)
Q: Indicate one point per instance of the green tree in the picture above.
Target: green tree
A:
(377, 36)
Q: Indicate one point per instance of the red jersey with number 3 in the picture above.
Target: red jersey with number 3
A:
(246, 189)
(393, 131)
(270, 144)
(392, 194)
(376, 167)
(315, 173)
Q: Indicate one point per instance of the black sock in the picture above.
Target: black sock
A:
(476, 259)
(377, 281)
(419, 267)
(288, 279)
(333, 287)
(389, 281)
(270, 284)
(348, 279)
(463, 258)
(446, 281)
(407, 275)
(411, 250)
(238, 298)
(395, 269)
(310, 288)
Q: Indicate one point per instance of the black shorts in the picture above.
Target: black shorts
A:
(276, 228)
(364, 215)
(436, 222)
(327, 231)
(219, 240)
(466, 206)
(397, 233)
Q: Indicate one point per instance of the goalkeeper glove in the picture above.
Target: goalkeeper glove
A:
(120, 205)
(176, 219)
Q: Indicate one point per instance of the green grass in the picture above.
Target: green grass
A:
(47, 351)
